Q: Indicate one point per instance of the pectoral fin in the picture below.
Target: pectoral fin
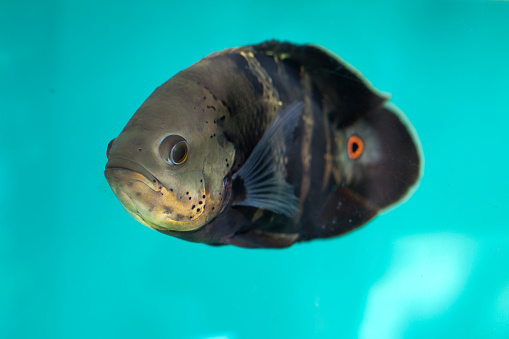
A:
(261, 181)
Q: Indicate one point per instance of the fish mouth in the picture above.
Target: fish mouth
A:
(145, 198)
(121, 181)
(115, 164)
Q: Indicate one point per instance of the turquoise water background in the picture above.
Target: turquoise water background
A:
(74, 264)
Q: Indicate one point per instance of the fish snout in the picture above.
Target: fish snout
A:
(152, 204)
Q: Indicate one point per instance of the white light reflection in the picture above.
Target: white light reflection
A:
(222, 336)
(428, 272)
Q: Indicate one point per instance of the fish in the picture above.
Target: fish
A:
(264, 146)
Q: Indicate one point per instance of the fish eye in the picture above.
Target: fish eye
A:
(108, 149)
(355, 147)
(179, 153)
(174, 149)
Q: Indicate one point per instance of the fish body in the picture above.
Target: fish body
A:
(263, 146)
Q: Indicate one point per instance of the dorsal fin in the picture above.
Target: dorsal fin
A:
(345, 94)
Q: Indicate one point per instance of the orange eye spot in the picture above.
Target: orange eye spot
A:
(355, 147)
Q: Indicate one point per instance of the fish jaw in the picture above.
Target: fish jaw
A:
(150, 203)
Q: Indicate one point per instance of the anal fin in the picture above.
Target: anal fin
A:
(263, 239)
(343, 211)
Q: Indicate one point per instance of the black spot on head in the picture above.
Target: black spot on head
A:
(197, 210)
(139, 150)
(212, 207)
(189, 198)
(203, 196)
(187, 193)
(200, 202)
(192, 207)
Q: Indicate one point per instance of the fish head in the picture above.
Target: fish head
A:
(169, 166)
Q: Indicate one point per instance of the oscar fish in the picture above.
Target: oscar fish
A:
(263, 146)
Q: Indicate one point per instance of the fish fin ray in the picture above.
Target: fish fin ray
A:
(263, 174)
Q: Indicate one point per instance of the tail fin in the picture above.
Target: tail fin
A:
(390, 164)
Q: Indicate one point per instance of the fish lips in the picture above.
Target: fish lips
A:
(117, 181)
(143, 196)
(128, 183)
